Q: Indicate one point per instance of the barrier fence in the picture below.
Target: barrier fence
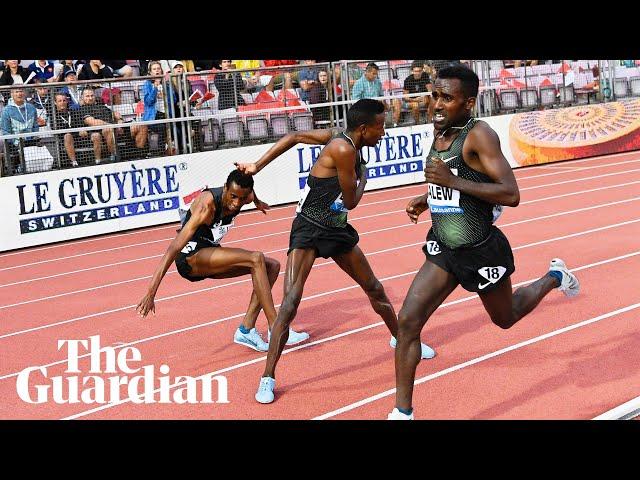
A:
(134, 118)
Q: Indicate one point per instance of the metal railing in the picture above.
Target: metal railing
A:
(261, 105)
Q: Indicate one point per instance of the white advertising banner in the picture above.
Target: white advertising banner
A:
(61, 205)
(65, 204)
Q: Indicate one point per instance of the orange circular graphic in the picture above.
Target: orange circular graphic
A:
(575, 132)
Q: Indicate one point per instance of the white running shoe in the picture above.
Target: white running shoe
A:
(398, 415)
(251, 340)
(426, 351)
(294, 337)
(265, 390)
(570, 285)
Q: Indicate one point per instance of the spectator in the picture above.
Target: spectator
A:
(177, 107)
(42, 101)
(369, 85)
(278, 78)
(95, 70)
(252, 79)
(154, 101)
(417, 82)
(437, 65)
(43, 70)
(319, 93)
(65, 118)
(14, 74)
(229, 86)
(119, 68)
(205, 65)
(62, 68)
(307, 77)
(188, 66)
(94, 115)
(18, 117)
(71, 90)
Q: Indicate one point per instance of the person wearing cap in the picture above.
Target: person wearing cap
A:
(177, 107)
(71, 90)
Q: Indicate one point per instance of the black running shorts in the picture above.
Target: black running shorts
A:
(328, 242)
(184, 269)
(478, 268)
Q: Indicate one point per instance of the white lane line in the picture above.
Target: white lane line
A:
(50, 297)
(63, 322)
(281, 207)
(366, 327)
(287, 231)
(626, 411)
(476, 360)
(238, 315)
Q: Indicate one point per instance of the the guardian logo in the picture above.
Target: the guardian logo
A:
(121, 377)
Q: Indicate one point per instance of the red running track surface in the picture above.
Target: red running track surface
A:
(570, 358)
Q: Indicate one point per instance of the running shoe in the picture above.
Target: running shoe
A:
(426, 351)
(398, 415)
(251, 340)
(569, 285)
(294, 337)
(265, 390)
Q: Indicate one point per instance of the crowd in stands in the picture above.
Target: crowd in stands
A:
(235, 100)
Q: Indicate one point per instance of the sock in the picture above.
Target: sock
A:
(405, 410)
(244, 329)
(557, 275)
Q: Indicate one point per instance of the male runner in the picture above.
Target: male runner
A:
(198, 255)
(467, 175)
(335, 185)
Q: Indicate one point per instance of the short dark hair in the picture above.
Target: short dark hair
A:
(417, 64)
(468, 78)
(241, 179)
(371, 65)
(363, 112)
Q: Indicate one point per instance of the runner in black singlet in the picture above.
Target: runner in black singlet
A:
(334, 187)
(467, 175)
(198, 254)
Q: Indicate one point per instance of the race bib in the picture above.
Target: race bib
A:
(444, 199)
(219, 231)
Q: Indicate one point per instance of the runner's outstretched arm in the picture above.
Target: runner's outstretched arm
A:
(200, 211)
(311, 137)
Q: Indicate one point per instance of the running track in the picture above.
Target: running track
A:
(571, 358)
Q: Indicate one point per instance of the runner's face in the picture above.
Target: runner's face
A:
(450, 105)
(234, 197)
(371, 134)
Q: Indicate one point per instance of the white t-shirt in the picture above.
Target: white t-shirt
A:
(17, 79)
(160, 99)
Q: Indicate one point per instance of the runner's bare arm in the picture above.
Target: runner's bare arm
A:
(483, 143)
(260, 205)
(344, 157)
(202, 209)
(311, 137)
